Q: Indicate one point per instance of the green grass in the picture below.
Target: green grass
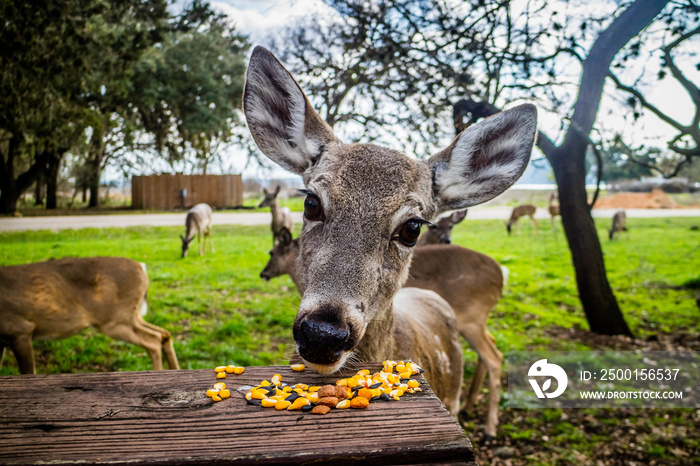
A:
(221, 312)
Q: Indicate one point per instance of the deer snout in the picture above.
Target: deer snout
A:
(445, 240)
(322, 341)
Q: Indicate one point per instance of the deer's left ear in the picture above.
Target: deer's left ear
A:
(485, 159)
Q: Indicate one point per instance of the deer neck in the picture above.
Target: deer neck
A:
(378, 342)
(275, 211)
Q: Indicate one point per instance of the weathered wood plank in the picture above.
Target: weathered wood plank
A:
(165, 418)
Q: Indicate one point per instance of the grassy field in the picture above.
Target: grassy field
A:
(220, 311)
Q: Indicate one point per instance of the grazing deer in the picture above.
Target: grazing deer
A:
(521, 211)
(440, 232)
(363, 213)
(281, 216)
(553, 207)
(619, 223)
(56, 299)
(469, 281)
(198, 221)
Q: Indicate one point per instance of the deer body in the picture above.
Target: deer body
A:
(553, 208)
(198, 222)
(469, 281)
(619, 223)
(281, 216)
(362, 217)
(56, 299)
(521, 211)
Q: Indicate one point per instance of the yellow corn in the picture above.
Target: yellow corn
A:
(230, 369)
(220, 369)
(405, 375)
(224, 393)
(258, 394)
(216, 398)
(314, 389)
(276, 379)
(388, 368)
(220, 386)
(376, 392)
(238, 370)
(343, 404)
(342, 383)
(221, 375)
(312, 397)
(212, 391)
(282, 404)
(363, 372)
(394, 393)
(265, 383)
(400, 367)
(396, 398)
(298, 367)
(287, 389)
(413, 383)
(351, 383)
(268, 402)
(249, 396)
(298, 403)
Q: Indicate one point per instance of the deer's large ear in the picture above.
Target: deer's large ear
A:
(284, 125)
(485, 159)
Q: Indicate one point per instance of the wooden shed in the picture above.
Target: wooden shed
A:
(168, 191)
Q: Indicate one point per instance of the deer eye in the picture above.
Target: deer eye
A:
(410, 231)
(312, 208)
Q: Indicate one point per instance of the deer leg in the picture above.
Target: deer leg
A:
(534, 220)
(137, 334)
(483, 343)
(166, 344)
(211, 245)
(24, 353)
(475, 386)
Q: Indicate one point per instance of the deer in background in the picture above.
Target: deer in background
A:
(198, 221)
(553, 207)
(363, 213)
(56, 299)
(469, 281)
(522, 211)
(440, 232)
(619, 223)
(281, 216)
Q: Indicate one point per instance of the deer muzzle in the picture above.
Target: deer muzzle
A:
(323, 337)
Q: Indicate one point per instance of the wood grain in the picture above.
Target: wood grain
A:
(165, 418)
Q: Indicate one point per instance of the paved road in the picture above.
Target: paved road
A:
(263, 218)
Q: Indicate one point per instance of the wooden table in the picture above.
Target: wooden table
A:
(165, 418)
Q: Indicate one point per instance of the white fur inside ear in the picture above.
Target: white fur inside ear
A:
(486, 159)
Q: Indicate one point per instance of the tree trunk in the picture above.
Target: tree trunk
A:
(94, 181)
(52, 182)
(8, 186)
(599, 303)
(38, 191)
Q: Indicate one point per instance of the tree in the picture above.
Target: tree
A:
(420, 58)
(187, 93)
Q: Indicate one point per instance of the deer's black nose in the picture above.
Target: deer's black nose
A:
(446, 241)
(321, 341)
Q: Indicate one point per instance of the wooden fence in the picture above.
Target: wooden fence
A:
(163, 191)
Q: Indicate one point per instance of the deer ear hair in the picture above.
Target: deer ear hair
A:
(485, 159)
(284, 236)
(265, 192)
(280, 117)
(458, 216)
(277, 190)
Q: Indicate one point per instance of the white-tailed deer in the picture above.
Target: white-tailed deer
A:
(521, 211)
(362, 217)
(56, 299)
(440, 232)
(281, 216)
(619, 223)
(198, 222)
(469, 281)
(553, 208)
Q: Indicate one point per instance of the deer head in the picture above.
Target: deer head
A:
(185, 245)
(440, 232)
(270, 197)
(365, 206)
(281, 256)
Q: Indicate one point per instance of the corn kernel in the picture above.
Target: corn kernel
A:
(249, 396)
(298, 367)
(351, 383)
(376, 392)
(238, 370)
(216, 398)
(229, 369)
(396, 398)
(287, 389)
(391, 378)
(400, 367)
(359, 402)
(224, 393)
(314, 389)
(405, 375)
(394, 393)
(363, 372)
(298, 403)
(282, 404)
(220, 369)
(342, 383)
(343, 404)
(388, 368)
(312, 397)
(276, 379)
(265, 383)
(212, 391)
(365, 393)
(259, 394)
(268, 402)
(220, 386)
(413, 383)
(221, 375)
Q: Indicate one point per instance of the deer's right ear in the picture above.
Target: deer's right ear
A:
(485, 159)
(284, 125)
(284, 236)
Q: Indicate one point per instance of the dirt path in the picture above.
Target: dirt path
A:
(263, 218)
